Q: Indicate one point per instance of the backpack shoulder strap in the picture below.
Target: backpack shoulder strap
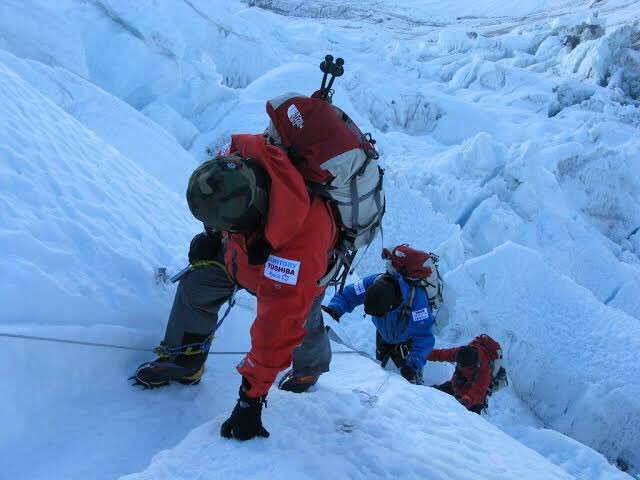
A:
(409, 306)
(422, 285)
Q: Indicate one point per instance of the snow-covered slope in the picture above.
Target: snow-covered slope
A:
(348, 428)
(82, 233)
(509, 133)
(115, 122)
(569, 354)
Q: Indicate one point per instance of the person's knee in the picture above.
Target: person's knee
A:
(203, 287)
(189, 288)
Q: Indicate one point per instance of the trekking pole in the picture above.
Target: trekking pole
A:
(337, 70)
(325, 67)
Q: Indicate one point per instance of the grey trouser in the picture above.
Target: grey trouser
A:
(195, 309)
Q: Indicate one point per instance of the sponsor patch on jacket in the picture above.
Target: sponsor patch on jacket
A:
(359, 287)
(420, 315)
(282, 270)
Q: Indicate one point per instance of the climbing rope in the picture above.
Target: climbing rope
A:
(110, 345)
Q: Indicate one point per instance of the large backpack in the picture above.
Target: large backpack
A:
(336, 159)
(419, 268)
(493, 350)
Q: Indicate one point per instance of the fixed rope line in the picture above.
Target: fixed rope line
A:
(73, 342)
(110, 345)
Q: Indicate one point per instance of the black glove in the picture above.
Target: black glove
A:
(205, 246)
(411, 375)
(332, 312)
(245, 421)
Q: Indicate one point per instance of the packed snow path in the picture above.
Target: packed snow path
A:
(510, 137)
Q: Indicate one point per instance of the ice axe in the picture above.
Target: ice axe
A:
(178, 276)
(162, 277)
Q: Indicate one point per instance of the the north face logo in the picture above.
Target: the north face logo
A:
(295, 117)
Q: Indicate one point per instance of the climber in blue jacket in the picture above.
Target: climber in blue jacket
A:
(402, 316)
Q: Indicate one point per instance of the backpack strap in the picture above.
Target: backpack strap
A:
(337, 273)
(409, 306)
(356, 198)
(355, 202)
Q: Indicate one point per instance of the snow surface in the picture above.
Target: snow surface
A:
(509, 134)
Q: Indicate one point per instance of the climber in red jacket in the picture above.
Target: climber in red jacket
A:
(266, 234)
(472, 381)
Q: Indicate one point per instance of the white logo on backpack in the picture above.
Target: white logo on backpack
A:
(359, 287)
(295, 117)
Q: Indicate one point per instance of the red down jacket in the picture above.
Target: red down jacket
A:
(301, 233)
(470, 385)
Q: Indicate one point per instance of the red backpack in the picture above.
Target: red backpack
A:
(493, 350)
(336, 159)
(419, 268)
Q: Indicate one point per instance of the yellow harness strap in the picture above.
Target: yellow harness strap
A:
(211, 263)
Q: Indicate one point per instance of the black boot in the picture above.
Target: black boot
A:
(161, 371)
(186, 367)
(297, 383)
(245, 421)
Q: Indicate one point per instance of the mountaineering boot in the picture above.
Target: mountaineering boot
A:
(297, 383)
(183, 364)
(161, 371)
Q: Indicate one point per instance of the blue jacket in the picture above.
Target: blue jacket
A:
(395, 327)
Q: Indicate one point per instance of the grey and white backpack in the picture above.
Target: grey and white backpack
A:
(337, 161)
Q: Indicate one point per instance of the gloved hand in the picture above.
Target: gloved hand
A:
(205, 246)
(331, 312)
(411, 375)
(245, 421)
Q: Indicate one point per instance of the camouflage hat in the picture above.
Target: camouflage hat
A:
(229, 193)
